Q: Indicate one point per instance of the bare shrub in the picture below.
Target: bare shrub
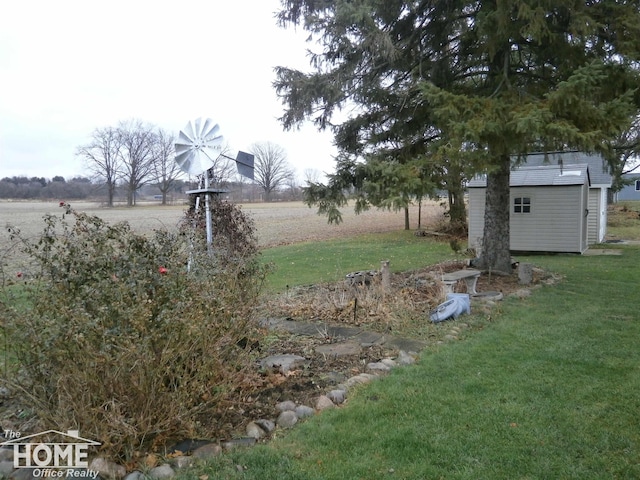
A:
(118, 339)
(234, 233)
(404, 308)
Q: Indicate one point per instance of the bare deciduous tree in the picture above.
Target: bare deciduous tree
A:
(102, 157)
(165, 170)
(223, 169)
(271, 167)
(137, 155)
(312, 175)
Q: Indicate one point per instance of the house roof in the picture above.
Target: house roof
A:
(631, 176)
(598, 169)
(547, 175)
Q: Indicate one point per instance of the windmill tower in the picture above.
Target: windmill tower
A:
(198, 146)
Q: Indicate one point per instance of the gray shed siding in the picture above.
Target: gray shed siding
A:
(557, 221)
(476, 217)
(600, 183)
(547, 228)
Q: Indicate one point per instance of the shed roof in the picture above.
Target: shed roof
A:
(631, 176)
(598, 169)
(549, 175)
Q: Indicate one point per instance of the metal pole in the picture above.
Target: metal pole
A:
(207, 202)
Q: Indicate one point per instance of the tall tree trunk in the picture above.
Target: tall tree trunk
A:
(406, 219)
(132, 195)
(111, 192)
(495, 255)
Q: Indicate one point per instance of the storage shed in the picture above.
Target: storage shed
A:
(549, 208)
(601, 181)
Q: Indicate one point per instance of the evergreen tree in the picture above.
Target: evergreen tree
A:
(467, 84)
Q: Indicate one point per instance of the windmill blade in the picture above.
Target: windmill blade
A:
(213, 140)
(188, 135)
(196, 127)
(185, 138)
(209, 129)
(194, 162)
(198, 146)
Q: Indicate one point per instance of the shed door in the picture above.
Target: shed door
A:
(584, 239)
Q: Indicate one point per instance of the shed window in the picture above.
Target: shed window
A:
(522, 205)
(637, 185)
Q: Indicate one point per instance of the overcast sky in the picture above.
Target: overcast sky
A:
(68, 67)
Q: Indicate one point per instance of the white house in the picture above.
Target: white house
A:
(549, 208)
(630, 191)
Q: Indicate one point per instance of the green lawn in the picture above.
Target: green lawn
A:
(329, 261)
(548, 388)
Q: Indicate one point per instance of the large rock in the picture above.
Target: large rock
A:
(267, 425)
(286, 405)
(360, 379)
(162, 472)
(302, 411)
(285, 363)
(107, 469)
(525, 273)
(287, 419)
(404, 358)
(341, 349)
(254, 431)
(378, 367)
(337, 396)
(209, 450)
(323, 403)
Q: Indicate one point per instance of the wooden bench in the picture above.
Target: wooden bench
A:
(469, 276)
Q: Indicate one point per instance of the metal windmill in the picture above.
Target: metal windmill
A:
(198, 146)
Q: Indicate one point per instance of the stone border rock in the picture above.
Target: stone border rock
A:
(291, 413)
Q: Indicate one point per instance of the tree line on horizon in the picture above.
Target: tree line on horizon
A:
(82, 188)
(134, 159)
(134, 154)
(57, 188)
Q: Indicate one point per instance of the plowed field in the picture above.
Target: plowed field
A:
(276, 223)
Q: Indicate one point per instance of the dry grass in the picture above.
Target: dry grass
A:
(623, 221)
(277, 223)
(401, 308)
